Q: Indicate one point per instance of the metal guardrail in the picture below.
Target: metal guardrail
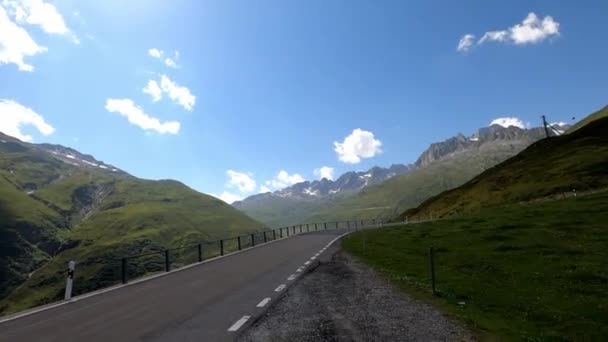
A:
(210, 249)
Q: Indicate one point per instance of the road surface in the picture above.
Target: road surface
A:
(208, 302)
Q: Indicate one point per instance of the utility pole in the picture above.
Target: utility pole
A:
(546, 126)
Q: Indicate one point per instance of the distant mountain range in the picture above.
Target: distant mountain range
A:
(322, 199)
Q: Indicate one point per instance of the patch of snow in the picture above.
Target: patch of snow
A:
(72, 163)
(561, 123)
(474, 139)
(29, 192)
(70, 156)
(4, 141)
(114, 170)
(309, 191)
(103, 166)
(333, 191)
(89, 163)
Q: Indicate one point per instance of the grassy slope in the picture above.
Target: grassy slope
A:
(90, 216)
(602, 113)
(526, 272)
(279, 212)
(549, 167)
(405, 191)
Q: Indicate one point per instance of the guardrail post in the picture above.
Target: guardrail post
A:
(167, 263)
(70, 280)
(432, 259)
(221, 247)
(280, 233)
(252, 240)
(307, 228)
(287, 229)
(265, 238)
(239, 242)
(123, 264)
(300, 228)
(316, 227)
(294, 230)
(325, 225)
(200, 252)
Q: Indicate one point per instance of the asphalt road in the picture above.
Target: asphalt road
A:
(197, 304)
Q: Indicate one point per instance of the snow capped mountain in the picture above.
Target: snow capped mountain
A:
(65, 154)
(349, 182)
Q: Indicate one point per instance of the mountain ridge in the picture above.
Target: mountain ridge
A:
(282, 207)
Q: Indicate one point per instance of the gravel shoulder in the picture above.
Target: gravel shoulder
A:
(344, 300)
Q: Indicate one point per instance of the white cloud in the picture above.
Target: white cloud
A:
(530, 31)
(156, 53)
(228, 197)
(37, 12)
(324, 172)
(177, 93)
(284, 179)
(359, 144)
(13, 116)
(136, 116)
(170, 63)
(509, 121)
(16, 43)
(153, 89)
(159, 54)
(264, 189)
(465, 42)
(242, 181)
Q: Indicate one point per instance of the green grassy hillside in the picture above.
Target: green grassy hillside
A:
(52, 212)
(550, 168)
(534, 272)
(602, 113)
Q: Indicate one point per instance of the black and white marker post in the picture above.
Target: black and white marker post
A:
(70, 280)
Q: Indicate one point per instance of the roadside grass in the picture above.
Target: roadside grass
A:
(535, 272)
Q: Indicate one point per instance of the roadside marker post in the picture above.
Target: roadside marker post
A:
(265, 238)
(69, 281)
(200, 252)
(274, 234)
(252, 240)
(316, 227)
(123, 263)
(167, 264)
(221, 247)
(239, 242)
(432, 259)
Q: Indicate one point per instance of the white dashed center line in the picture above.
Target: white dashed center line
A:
(313, 258)
(263, 302)
(238, 324)
(280, 288)
(292, 277)
(300, 269)
(307, 263)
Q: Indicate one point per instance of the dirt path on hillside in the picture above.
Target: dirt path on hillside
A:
(344, 300)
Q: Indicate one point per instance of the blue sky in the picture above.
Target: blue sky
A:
(260, 87)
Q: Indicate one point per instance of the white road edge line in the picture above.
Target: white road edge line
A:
(306, 263)
(238, 324)
(292, 277)
(300, 269)
(280, 288)
(313, 258)
(263, 302)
